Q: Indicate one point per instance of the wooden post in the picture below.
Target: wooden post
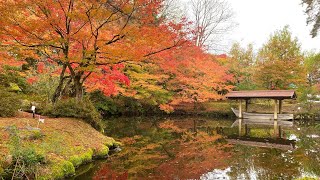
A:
(275, 128)
(240, 127)
(247, 102)
(240, 108)
(280, 106)
(275, 110)
(275, 122)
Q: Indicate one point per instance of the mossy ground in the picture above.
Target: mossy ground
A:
(66, 143)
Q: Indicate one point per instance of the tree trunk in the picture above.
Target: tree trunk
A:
(78, 88)
(57, 92)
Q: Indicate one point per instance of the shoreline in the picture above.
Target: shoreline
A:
(61, 145)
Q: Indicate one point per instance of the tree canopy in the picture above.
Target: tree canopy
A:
(280, 62)
(88, 46)
(241, 64)
(86, 39)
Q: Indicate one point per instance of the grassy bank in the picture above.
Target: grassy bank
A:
(53, 152)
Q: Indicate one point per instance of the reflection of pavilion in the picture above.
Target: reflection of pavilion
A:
(282, 144)
(244, 138)
(247, 123)
(287, 124)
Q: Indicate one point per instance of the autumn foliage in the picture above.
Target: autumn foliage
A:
(88, 44)
(280, 62)
(198, 76)
(85, 38)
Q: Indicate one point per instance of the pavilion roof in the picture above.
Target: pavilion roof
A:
(267, 94)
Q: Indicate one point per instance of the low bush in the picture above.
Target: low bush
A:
(105, 105)
(9, 103)
(25, 159)
(35, 134)
(11, 79)
(131, 106)
(77, 109)
(122, 105)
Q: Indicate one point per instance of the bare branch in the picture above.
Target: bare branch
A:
(212, 19)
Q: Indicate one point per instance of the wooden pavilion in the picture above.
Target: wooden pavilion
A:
(277, 95)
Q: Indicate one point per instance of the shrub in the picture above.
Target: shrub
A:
(123, 105)
(25, 159)
(132, 106)
(77, 109)
(11, 79)
(29, 156)
(9, 103)
(105, 105)
(35, 134)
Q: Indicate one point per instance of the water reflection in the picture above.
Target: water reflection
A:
(196, 148)
(217, 174)
(263, 163)
(245, 124)
(275, 163)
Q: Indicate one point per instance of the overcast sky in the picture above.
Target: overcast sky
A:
(257, 19)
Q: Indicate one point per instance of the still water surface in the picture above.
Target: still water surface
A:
(196, 148)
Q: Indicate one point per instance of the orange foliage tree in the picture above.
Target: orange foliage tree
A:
(184, 75)
(87, 39)
(195, 76)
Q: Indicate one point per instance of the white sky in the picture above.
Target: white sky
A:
(257, 19)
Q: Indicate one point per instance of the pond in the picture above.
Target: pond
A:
(197, 148)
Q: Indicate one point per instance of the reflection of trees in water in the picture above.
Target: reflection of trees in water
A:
(145, 144)
(149, 143)
(275, 164)
(308, 153)
(262, 163)
(127, 127)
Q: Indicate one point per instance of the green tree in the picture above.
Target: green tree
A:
(312, 65)
(241, 66)
(311, 90)
(279, 64)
